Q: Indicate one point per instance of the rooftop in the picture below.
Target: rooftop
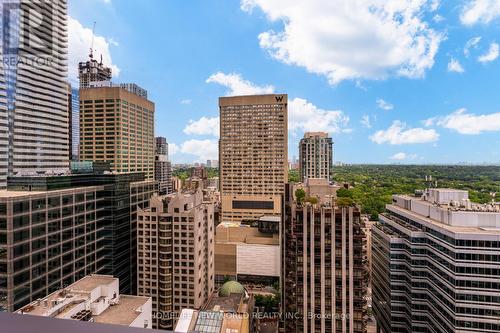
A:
(123, 313)
(94, 296)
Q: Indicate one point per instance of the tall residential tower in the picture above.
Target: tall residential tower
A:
(36, 88)
(163, 167)
(315, 155)
(253, 155)
(324, 254)
(176, 253)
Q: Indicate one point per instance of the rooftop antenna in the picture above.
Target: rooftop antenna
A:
(91, 55)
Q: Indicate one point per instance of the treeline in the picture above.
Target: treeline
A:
(185, 173)
(373, 185)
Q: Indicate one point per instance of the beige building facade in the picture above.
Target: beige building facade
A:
(117, 126)
(244, 253)
(253, 158)
(176, 254)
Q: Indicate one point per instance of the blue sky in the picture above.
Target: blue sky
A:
(392, 81)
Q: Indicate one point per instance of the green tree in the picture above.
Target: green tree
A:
(344, 193)
(300, 194)
(293, 176)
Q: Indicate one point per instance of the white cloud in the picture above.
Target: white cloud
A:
(185, 101)
(398, 133)
(302, 114)
(455, 66)
(305, 116)
(349, 40)
(237, 85)
(434, 5)
(80, 40)
(381, 104)
(203, 126)
(491, 55)
(468, 123)
(480, 11)
(471, 43)
(173, 149)
(403, 156)
(202, 149)
(438, 18)
(365, 121)
(113, 42)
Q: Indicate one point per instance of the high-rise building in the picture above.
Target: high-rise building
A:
(56, 229)
(253, 155)
(75, 125)
(4, 127)
(117, 126)
(324, 274)
(35, 75)
(175, 238)
(436, 264)
(315, 156)
(135, 89)
(91, 71)
(163, 167)
(94, 298)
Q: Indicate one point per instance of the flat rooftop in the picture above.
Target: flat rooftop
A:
(450, 228)
(90, 282)
(123, 313)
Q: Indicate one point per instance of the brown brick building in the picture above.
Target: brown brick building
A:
(253, 155)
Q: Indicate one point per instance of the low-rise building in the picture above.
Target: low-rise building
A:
(249, 254)
(94, 298)
(228, 310)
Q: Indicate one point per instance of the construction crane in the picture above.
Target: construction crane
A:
(91, 55)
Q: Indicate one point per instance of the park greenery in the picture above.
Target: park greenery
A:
(185, 173)
(372, 186)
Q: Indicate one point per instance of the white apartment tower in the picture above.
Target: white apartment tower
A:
(315, 155)
(35, 73)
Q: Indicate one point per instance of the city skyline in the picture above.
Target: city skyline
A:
(442, 97)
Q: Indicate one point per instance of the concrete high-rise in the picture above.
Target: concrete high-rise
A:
(92, 71)
(163, 167)
(436, 264)
(35, 73)
(117, 126)
(253, 157)
(175, 237)
(4, 128)
(315, 156)
(324, 275)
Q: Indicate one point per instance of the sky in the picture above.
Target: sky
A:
(395, 81)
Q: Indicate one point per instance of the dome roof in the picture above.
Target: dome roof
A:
(231, 287)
